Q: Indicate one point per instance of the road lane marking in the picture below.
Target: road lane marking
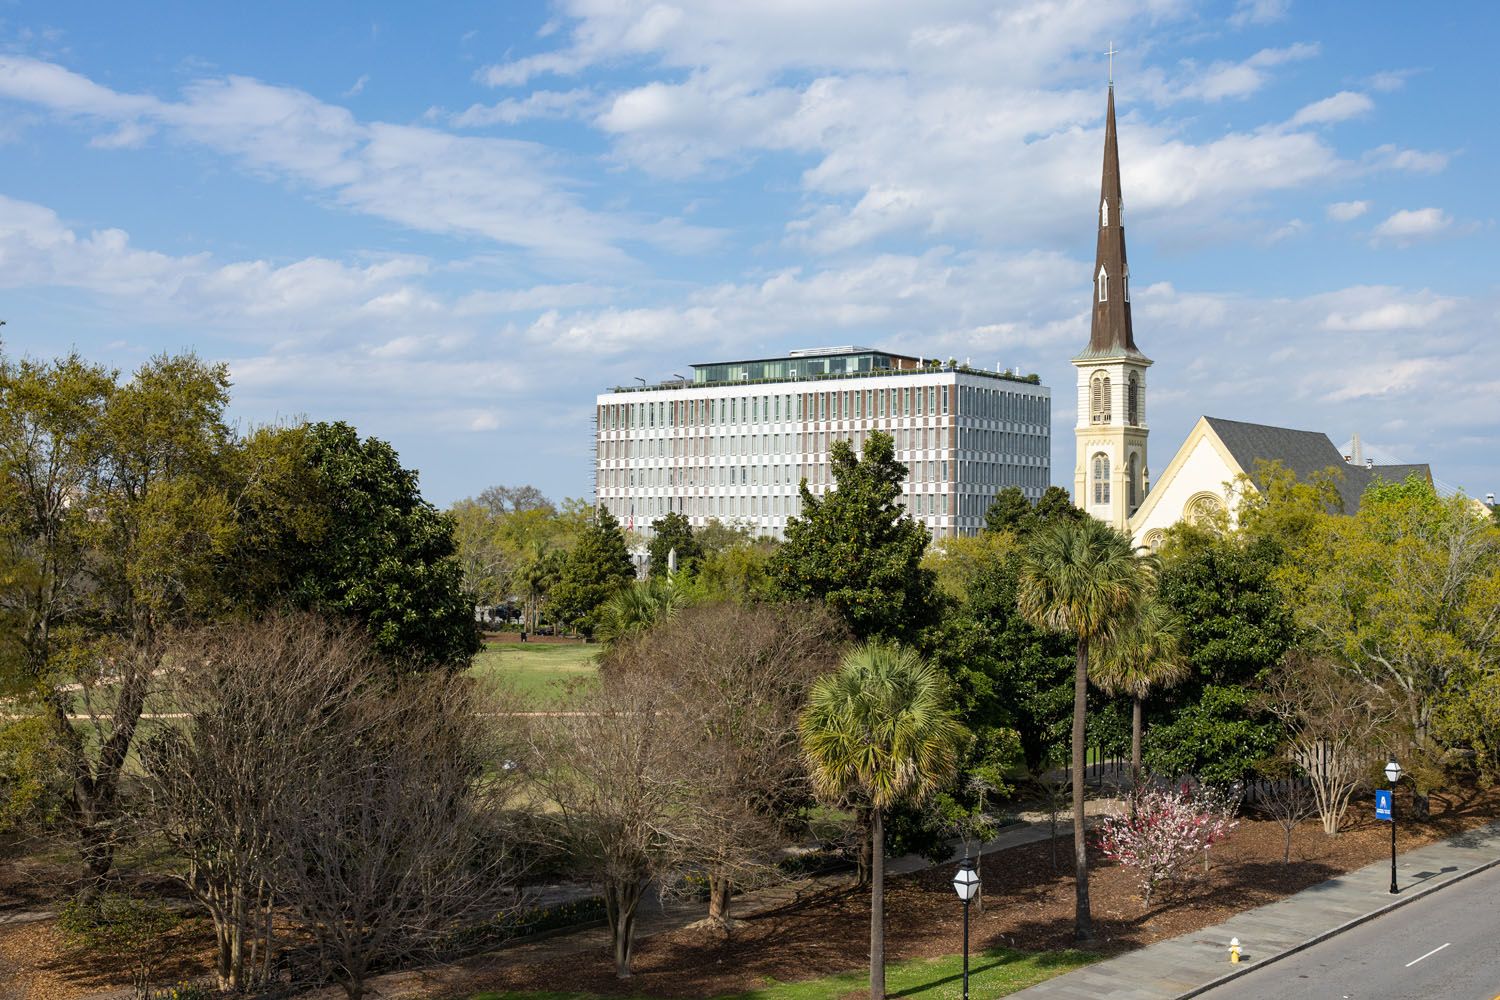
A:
(1428, 955)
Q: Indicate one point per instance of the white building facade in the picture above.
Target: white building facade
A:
(735, 442)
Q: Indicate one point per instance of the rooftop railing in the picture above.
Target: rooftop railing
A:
(1031, 379)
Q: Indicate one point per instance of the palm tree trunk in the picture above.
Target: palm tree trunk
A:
(877, 907)
(1135, 744)
(1083, 928)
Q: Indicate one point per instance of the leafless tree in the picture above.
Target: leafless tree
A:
(256, 697)
(307, 782)
(1057, 792)
(1334, 722)
(515, 499)
(607, 771)
(1287, 798)
(734, 678)
(393, 838)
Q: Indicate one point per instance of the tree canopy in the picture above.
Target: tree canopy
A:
(387, 557)
(857, 550)
(672, 532)
(598, 566)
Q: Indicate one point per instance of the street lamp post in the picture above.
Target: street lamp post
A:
(1393, 775)
(966, 884)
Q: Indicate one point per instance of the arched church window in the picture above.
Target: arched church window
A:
(1103, 280)
(1133, 401)
(1104, 214)
(1154, 538)
(1127, 284)
(1100, 408)
(1132, 481)
(1101, 478)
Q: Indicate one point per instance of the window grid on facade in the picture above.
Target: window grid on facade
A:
(729, 451)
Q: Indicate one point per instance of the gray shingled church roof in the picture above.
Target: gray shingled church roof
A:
(1303, 452)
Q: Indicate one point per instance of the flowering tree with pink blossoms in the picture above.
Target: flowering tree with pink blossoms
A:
(1164, 832)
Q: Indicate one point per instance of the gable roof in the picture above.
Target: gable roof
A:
(1304, 453)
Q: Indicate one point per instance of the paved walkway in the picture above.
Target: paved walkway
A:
(1189, 965)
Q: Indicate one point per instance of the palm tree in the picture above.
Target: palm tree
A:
(1145, 654)
(879, 731)
(1080, 577)
(639, 606)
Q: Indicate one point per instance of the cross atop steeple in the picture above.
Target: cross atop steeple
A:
(1111, 330)
(1111, 53)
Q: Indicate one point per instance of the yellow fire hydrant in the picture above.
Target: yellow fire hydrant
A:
(1234, 950)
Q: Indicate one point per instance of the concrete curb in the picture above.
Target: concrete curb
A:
(1319, 938)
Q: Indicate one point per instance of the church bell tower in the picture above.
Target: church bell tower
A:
(1111, 477)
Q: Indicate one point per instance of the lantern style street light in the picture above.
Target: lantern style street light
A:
(966, 884)
(1393, 775)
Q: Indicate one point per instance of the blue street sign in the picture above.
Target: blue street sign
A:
(1383, 803)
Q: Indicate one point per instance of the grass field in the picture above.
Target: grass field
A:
(534, 669)
(997, 972)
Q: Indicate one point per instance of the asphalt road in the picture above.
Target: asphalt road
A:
(1443, 947)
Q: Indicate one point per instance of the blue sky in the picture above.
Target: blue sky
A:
(453, 224)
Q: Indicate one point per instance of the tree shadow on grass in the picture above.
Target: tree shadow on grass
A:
(975, 969)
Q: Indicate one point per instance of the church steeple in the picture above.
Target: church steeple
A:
(1111, 478)
(1111, 332)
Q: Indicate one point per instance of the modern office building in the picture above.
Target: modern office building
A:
(735, 441)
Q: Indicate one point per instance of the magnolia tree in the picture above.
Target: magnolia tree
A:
(1165, 831)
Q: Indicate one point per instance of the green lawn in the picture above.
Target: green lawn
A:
(994, 973)
(535, 669)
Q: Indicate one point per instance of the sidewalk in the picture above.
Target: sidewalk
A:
(1189, 965)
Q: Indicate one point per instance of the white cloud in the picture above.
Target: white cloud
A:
(1379, 379)
(946, 121)
(1410, 225)
(1390, 315)
(1391, 80)
(540, 104)
(1224, 80)
(1285, 231)
(428, 180)
(38, 250)
(1248, 12)
(1346, 211)
(1391, 157)
(1340, 107)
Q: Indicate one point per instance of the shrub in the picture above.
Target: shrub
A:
(114, 923)
(33, 784)
(183, 991)
(1164, 831)
(122, 929)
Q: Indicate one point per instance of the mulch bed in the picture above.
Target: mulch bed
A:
(1029, 905)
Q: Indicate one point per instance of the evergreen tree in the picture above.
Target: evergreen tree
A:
(1005, 670)
(1011, 511)
(876, 734)
(669, 532)
(1056, 506)
(598, 566)
(386, 557)
(1082, 579)
(856, 550)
